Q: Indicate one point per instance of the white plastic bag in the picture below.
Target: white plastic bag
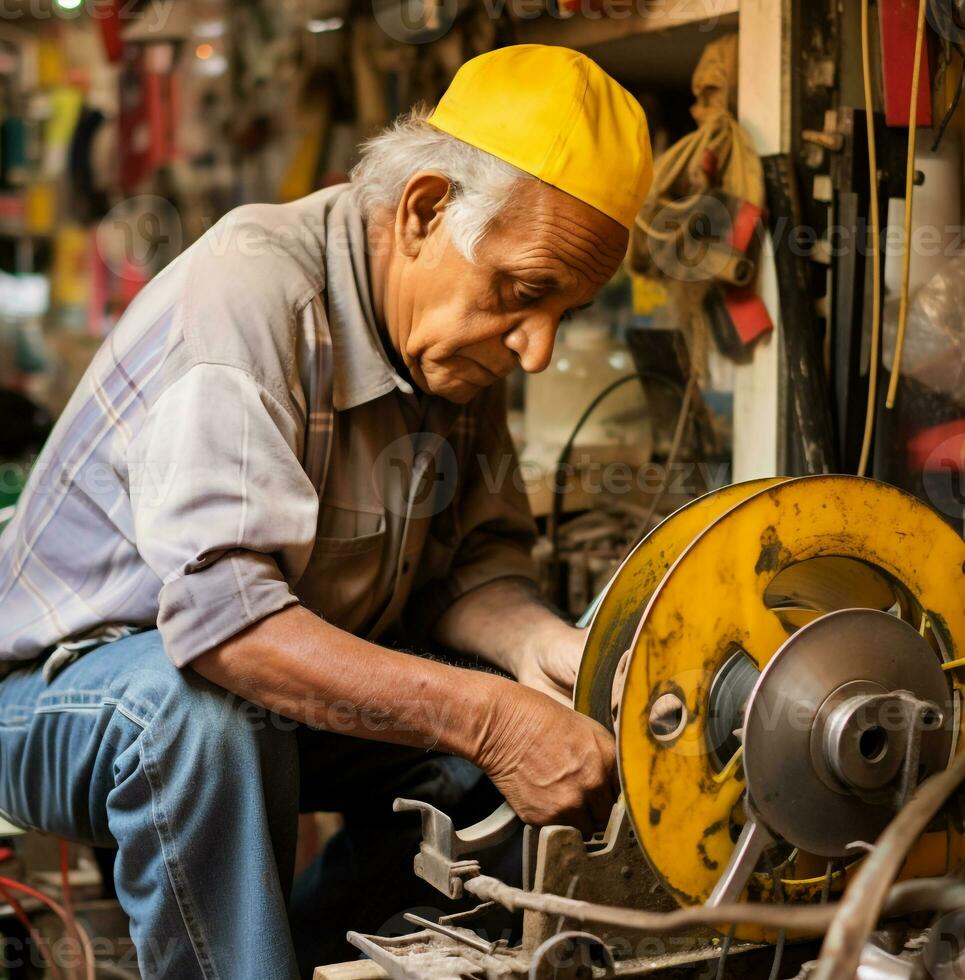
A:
(934, 353)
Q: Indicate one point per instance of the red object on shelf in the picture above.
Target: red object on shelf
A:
(11, 207)
(147, 121)
(745, 222)
(899, 25)
(939, 447)
(748, 314)
(109, 20)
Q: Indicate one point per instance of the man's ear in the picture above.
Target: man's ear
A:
(420, 210)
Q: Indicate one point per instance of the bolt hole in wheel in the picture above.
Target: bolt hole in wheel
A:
(668, 717)
(930, 719)
(873, 743)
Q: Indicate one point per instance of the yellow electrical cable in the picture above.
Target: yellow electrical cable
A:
(869, 111)
(909, 205)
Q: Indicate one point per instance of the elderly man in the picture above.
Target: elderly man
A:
(289, 459)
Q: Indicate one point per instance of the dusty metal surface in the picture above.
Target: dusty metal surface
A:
(841, 594)
(444, 857)
(419, 957)
(621, 608)
(612, 871)
(428, 956)
(827, 739)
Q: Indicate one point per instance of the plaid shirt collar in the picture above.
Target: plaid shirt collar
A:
(363, 370)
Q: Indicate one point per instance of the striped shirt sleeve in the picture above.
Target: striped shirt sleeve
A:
(224, 513)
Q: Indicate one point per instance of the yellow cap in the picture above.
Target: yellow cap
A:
(557, 115)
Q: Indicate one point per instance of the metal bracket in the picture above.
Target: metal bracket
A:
(920, 716)
(440, 858)
(754, 840)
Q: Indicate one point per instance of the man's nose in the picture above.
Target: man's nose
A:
(532, 342)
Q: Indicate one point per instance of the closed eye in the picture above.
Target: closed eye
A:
(527, 294)
(572, 311)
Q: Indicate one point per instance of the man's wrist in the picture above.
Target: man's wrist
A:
(499, 621)
(542, 638)
(543, 630)
(479, 715)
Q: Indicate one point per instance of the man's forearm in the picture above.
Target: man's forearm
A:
(501, 621)
(551, 764)
(301, 667)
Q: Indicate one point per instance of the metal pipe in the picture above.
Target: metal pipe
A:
(464, 936)
(806, 918)
(937, 894)
(861, 905)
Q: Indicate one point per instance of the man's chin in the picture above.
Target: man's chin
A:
(445, 384)
(453, 390)
(459, 393)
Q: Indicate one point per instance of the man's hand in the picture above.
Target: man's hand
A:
(553, 765)
(550, 660)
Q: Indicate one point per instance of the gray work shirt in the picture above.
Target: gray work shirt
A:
(181, 484)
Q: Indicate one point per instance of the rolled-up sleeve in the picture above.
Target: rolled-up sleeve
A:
(224, 513)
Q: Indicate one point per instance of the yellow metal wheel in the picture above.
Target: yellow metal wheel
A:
(619, 612)
(775, 561)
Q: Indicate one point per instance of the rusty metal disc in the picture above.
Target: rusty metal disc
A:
(790, 729)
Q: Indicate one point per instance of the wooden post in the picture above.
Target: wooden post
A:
(764, 109)
(356, 970)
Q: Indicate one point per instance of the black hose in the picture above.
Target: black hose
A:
(564, 456)
(799, 326)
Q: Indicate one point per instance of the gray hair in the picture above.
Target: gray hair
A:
(481, 183)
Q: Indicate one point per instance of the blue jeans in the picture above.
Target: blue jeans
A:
(200, 792)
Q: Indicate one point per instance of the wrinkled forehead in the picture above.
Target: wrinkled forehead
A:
(545, 234)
